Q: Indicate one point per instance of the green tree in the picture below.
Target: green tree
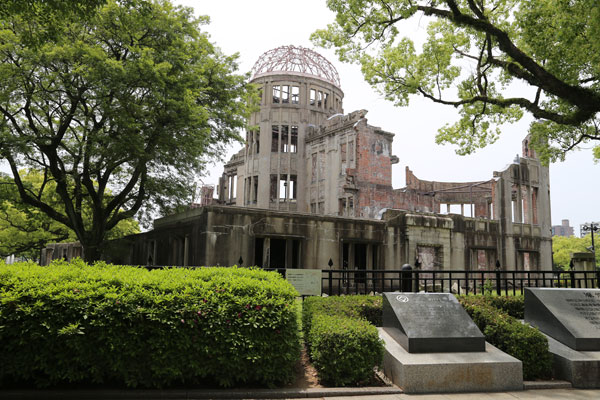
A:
(119, 110)
(494, 60)
(25, 230)
(562, 247)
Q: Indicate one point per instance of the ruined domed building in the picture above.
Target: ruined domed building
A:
(314, 184)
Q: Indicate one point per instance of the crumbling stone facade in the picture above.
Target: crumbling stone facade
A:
(314, 184)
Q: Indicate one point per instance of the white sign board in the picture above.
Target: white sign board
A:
(306, 281)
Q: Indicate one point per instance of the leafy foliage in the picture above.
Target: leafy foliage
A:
(491, 59)
(511, 336)
(562, 247)
(344, 346)
(25, 230)
(128, 326)
(120, 109)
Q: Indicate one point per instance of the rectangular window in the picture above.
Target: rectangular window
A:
(295, 95)
(342, 206)
(351, 152)
(313, 97)
(255, 190)
(257, 142)
(276, 93)
(232, 188)
(313, 208)
(321, 208)
(275, 138)
(283, 188)
(292, 187)
(294, 140)
(326, 99)
(284, 139)
(285, 94)
(320, 99)
(273, 187)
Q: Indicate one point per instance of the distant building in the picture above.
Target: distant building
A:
(564, 229)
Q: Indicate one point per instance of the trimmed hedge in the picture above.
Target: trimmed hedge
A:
(511, 336)
(343, 344)
(71, 322)
(512, 305)
(358, 306)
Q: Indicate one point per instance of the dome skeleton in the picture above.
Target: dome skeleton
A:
(296, 59)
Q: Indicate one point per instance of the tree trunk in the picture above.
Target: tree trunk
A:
(91, 252)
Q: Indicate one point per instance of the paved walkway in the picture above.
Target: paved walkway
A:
(563, 394)
(327, 394)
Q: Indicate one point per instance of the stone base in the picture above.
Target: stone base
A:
(489, 371)
(581, 368)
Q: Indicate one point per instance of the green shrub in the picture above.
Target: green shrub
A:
(344, 350)
(125, 325)
(342, 341)
(508, 334)
(367, 307)
(512, 305)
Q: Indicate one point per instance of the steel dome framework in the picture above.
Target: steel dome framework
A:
(296, 59)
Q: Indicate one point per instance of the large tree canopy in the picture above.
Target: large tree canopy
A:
(25, 230)
(119, 110)
(475, 55)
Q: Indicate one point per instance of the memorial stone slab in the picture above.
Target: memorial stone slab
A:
(571, 316)
(430, 323)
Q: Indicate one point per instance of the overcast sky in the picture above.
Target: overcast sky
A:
(251, 28)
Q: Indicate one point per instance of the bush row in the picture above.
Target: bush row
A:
(342, 342)
(71, 322)
(511, 336)
(512, 305)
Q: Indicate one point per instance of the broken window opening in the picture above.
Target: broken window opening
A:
(351, 153)
(284, 139)
(320, 99)
(343, 158)
(321, 208)
(293, 187)
(274, 138)
(325, 99)
(255, 190)
(257, 142)
(295, 95)
(285, 94)
(273, 187)
(313, 208)
(276, 94)
(283, 188)
(342, 206)
(313, 97)
(294, 140)
(232, 187)
(534, 211)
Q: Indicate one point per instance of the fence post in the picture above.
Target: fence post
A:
(498, 286)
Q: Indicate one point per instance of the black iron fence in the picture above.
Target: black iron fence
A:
(360, 281)
(337, 282)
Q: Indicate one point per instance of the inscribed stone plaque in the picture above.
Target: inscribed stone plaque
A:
(306, 281)
(571, 316)
(430, 323)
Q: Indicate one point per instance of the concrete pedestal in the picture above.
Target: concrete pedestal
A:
(581, 368)
(489, 371)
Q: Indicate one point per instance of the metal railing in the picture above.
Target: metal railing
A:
(360, 281)
(336, 282)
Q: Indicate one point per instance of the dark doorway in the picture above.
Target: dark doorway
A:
(277, 253)
(258, 251)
